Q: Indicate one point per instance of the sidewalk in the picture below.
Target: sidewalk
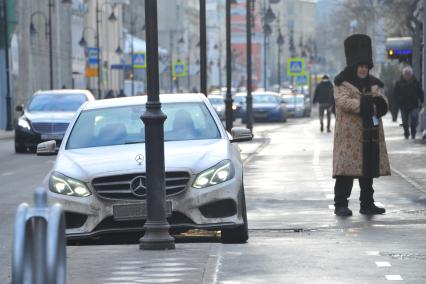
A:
(407, 156)
(6, 134)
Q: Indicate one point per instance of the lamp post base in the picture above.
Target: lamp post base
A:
(156, 237)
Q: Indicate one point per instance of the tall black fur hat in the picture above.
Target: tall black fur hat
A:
(358, 50)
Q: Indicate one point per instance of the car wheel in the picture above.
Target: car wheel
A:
(20, 148)
(238, 235)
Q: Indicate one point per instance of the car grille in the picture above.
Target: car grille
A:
(48, 127)
(133, 186)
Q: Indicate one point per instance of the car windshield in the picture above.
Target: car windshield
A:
(264, 99)
(122, 125)
(216, 101)
(56, 102)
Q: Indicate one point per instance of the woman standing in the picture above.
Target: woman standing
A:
(359, 141)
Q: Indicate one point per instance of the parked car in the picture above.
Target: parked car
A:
(47, 116)
(100, 177)
(295, 105)
(267, 106)
(218, 102)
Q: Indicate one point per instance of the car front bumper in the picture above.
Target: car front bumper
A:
(192, 209)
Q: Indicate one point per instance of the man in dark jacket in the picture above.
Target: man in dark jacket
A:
(409, 94)
(324, 96)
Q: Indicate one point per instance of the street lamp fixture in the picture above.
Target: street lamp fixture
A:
(112, 18)
(118, 50)
(267, 30)
(269, 16)
(82, 42)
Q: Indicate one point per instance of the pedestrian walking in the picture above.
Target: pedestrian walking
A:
(359, 142)
(325, 98)
(409, 94)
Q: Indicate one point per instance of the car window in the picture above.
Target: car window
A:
(122, 125)
(264, 99)
(56, 102)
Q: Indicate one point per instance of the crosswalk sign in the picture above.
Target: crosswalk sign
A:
(295, 66)
(139, 60)
(302, 80)
(179, 69)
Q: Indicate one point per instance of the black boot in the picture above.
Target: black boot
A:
(343, 211)
(371, 209)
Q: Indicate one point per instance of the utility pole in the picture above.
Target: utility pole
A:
(6, 54)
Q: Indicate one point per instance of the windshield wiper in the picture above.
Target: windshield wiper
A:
(134, 142)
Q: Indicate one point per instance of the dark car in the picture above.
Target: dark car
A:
(47, 117)
(267, 106)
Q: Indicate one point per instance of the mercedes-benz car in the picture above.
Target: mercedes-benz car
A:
(47, 117)
(99, 174)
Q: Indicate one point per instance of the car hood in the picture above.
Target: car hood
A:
(264, 106)
(50, 116)
(193, 156)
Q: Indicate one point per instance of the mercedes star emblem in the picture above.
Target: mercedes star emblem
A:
(139, 159)
(137, 186)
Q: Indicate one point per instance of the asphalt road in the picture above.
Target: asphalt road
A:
(294, 235)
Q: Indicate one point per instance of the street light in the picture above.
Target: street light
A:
(112, 18)
(268, 17)
(156, 228)
(228, 99)
(203, 48)
(249, 100)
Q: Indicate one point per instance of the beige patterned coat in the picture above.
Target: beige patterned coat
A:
(347, 152)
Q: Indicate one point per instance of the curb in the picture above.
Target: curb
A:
(409, 180)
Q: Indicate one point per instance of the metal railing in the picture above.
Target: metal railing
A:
(39, 243)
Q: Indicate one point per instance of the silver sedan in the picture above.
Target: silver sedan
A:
(99, 174)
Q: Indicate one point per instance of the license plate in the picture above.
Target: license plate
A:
(52, 136)
(135, 211)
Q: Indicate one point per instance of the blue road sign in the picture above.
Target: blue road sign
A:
(92, 55)
(139, 60)
(296, 66)
(179, 69)
(302, 80)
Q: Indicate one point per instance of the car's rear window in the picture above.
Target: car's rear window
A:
(122, 125)
(56, 102)
(264, 99)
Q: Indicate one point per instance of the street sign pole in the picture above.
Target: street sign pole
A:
(423, 124)
(6, 54)
(156, 228)
(228, 100)
(203, 48)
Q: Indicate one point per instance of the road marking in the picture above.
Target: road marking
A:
(383, 264)
(373, 252)
(393, 277)
(331, 207)
(317, 152)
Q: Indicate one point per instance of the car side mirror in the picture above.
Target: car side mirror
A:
(19, 108)
(47, 148)
(241, 134)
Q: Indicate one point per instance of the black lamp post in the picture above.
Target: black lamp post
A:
(156, 228)
(249, 100)
(48, 34)
(203, 48)
(268, 17)
(6, 54)
(228, 100)
(280, 42)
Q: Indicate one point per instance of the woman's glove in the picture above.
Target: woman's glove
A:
(381, 106)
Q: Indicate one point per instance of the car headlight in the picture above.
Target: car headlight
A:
(61, 184)
(22, 122)
(234, 107)
(219, 173)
